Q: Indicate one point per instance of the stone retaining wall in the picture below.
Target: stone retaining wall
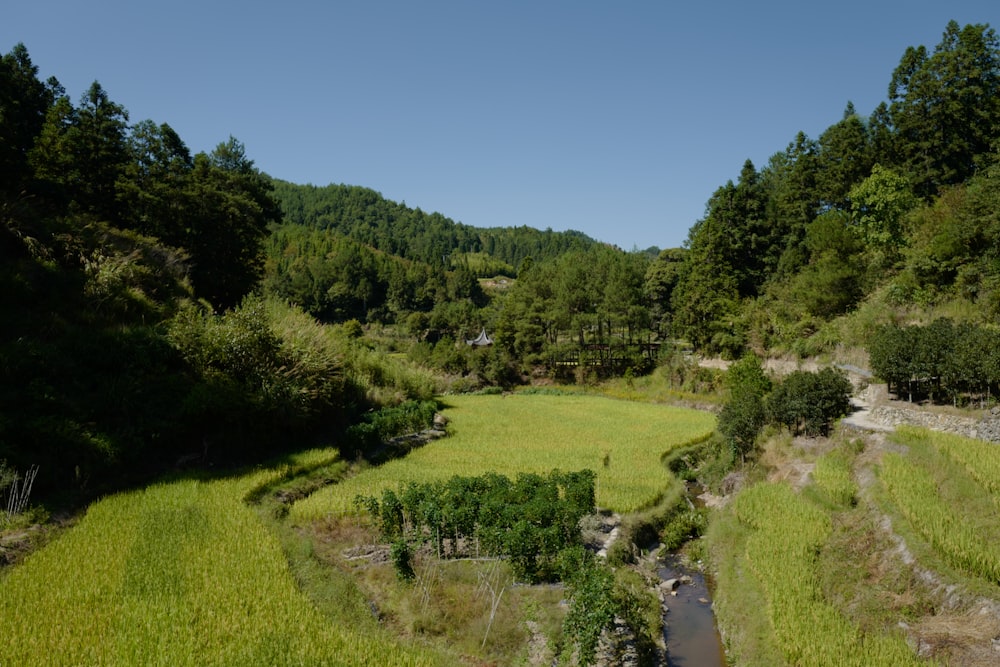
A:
(987, 428)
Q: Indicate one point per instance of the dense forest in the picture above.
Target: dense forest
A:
(161, 305)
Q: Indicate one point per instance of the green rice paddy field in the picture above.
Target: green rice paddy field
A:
(622, 441)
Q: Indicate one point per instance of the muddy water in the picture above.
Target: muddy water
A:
(689, 626)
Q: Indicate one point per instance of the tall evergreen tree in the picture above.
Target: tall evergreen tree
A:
(152, 184)
(24, 104)
(945, 106)
(845, 158)
(230, 207)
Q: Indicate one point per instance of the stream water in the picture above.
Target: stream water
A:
(688, 623)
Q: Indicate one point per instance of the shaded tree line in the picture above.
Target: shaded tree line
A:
(69, 168)
(942, 361)
(129, 340)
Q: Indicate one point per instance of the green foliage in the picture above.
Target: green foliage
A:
(8, 476)
(945, 107)
(262, 374)
(941, 360)
(809, 402)
(592, 605)
(879, 204)
(599, 596)
(377, 427)
(844, 157)
(24, 101)
(685, 525)
(740, 421)
(401, 560)
(706, 298)
(830, 283)
(746, 376)
(780, 232)
(363, 215)
(743, 415)
(584, 309)
(529, 520)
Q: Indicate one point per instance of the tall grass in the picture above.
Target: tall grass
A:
(622, 442)
(981, 459)
(832, 475)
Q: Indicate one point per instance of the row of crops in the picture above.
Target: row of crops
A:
(948, 490)
(786, 532)
(181, 573)
(944, 492)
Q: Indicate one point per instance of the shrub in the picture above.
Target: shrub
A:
(530, 520)
(809, 402)
(743, 415)
(401, 556)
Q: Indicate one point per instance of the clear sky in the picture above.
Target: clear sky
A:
(617, 119)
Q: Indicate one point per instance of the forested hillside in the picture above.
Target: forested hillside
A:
(365, 216)
(885, 218)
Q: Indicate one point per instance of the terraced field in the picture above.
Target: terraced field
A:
(187, 573)
(884, 555)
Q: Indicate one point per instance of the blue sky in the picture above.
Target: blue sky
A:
(617, 119)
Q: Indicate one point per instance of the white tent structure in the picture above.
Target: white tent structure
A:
(481, 340)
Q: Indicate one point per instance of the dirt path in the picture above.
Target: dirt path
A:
(861, 417)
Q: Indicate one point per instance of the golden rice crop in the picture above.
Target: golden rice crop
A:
(915, 492)
(980, 458)
(182, 573)
(787, 533)
(621, 441)
(833, 475)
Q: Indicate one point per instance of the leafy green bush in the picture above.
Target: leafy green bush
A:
(685, 525)
(389, 422)
(401, 560)
(592, 603)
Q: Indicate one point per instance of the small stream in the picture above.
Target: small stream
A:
(689, 629)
